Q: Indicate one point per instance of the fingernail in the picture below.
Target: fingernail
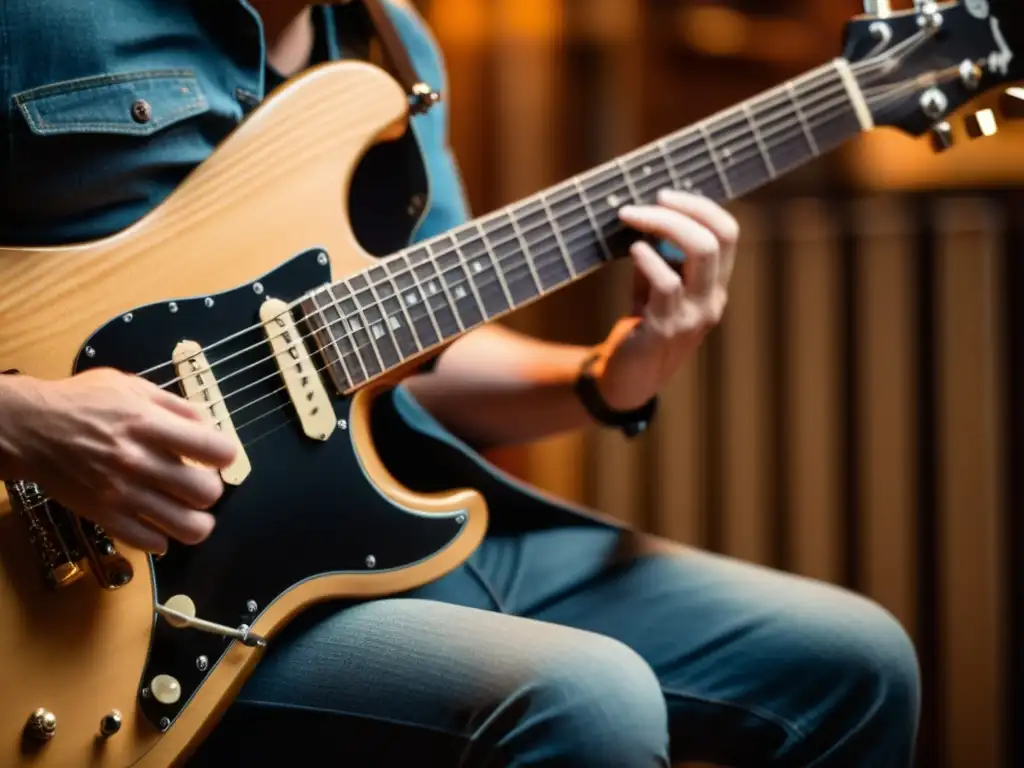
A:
(628, 210)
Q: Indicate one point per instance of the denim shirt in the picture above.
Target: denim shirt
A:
(84, 157)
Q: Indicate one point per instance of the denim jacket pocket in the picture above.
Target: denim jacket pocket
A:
(132, 103)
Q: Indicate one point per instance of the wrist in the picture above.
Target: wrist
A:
(587, 387)
(15, 399)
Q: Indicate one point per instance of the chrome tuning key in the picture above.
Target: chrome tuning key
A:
(942, 136)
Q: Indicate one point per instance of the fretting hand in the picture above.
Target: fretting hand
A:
(673, 309)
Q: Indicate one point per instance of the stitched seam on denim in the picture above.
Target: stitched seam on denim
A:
(5, 78)
(793, 731)
(476, 573)
(196, 106)
(99, 81)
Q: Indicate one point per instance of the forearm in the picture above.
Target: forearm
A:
(496, 387)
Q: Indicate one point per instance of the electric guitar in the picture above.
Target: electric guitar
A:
(247, 291)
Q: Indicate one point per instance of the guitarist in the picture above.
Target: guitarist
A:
(565, 645)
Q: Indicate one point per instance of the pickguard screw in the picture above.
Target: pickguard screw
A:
(128, 318)
(208, 301)
(145, 693)
(202, 663)
(257, 288)
(321, 258)
(165, 723)
(173, 306)
(251, 606)
(460, 519)
(371, 561)
(342, 424)
(90, 352)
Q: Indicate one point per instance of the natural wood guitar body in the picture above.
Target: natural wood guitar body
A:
(276, 187)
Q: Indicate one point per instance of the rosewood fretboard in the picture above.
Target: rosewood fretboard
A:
(437, 290)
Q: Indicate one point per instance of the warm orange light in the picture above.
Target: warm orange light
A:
(714, 29)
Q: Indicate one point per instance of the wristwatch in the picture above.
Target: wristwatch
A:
(632, 423)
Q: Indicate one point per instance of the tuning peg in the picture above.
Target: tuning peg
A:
(879, 8)
(1011, 103)
(981, 123)
(942, 136)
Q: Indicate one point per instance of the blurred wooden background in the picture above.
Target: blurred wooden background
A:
(855, 418)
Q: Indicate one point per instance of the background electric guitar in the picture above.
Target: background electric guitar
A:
(248, 291)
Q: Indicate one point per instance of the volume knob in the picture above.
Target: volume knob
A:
(110, 724)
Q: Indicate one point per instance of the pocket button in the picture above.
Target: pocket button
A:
(141, 111)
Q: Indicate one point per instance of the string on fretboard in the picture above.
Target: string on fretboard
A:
(436, 290)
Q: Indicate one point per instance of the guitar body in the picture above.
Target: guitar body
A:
(314, 519)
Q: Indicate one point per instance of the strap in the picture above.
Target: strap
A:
(423, 96)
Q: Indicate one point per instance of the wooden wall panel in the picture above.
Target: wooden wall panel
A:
(886, 389)
(746, 394)
(813, 462)
(969, 481)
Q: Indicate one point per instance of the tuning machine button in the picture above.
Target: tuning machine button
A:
(1011, 103)
(982, 123)
(942, 136)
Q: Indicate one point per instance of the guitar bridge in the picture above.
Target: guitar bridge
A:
(51, 532)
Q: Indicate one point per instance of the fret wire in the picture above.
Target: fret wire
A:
(623, 168)
(463, 268)
(590, 215)
(496, 264)
(760, 141)
(526, 251)
(333, 339)
(558, 235)
(366, 325)
(808, 133)
(401, 308)
(444, 288)
(667, 160)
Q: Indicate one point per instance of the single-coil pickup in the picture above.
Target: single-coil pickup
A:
(301, 379)
(199, 385)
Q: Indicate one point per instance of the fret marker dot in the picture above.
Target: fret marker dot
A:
(613, 201)
(355, 323)
(460, 292)
(727, 155)
(411, 298)
(394, 322)
(378, 331)
(431, 287)
(687, 184)
(478, 267)
(646, 170)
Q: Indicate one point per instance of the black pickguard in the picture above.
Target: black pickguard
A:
(307, 508)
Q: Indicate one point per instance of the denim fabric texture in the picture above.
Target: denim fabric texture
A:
(582, 646)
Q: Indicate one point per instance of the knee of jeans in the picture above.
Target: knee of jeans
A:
(866, 658)
(596, 704)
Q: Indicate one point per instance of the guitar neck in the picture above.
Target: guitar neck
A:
(437, 290)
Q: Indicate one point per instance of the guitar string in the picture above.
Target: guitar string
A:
(527, 254)
(507, 277)
(238, 409)
(827, 70)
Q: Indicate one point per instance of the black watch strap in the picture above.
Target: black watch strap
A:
(632, 423)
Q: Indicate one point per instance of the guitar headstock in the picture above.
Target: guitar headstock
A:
(916, 67)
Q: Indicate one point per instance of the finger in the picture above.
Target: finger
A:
(135, 533)
(197, 486)
(706, 211)
(189, 526)
(700, 268)
(176, 404)
(666, 286)
(200, 442)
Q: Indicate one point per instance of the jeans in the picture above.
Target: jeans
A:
(590, 648)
